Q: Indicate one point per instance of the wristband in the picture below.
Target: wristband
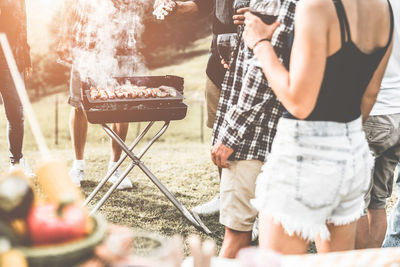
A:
(260, 41)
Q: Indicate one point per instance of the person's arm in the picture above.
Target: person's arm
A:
(298, 90)
(374, 85)
(255, 99)
(201, 7)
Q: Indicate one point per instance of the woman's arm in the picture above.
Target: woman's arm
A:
(298, 90)
(374, 85)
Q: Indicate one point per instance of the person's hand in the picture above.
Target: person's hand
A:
(256, 30)
(28, 73)
(202, 254)
(163, 8)
(238, 18)
(220, 154)
(224, 64)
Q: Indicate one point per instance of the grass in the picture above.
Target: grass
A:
(179, 159)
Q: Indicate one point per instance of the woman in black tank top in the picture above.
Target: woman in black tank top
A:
(318, 171)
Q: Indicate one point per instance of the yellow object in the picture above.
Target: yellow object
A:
(13, 258)
(56, 183)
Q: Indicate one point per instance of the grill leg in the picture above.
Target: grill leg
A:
(111, 172)
(114, 136)
(153, 178)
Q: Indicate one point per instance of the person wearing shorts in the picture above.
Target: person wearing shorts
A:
(78, 126)
(382, 129)
(313, 183)
(223, 22)
(247, 117)
(73, 41)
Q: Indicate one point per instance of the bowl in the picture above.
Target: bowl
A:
(70, 253)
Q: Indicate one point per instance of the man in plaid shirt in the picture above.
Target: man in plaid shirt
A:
(87, 26)
(245, 127)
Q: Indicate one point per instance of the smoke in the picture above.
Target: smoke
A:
(107, 41)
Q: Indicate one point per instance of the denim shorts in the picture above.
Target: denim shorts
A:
(317, 173)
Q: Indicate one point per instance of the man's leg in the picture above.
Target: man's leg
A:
(371, 229)
(121, 129)
(212, 94)
(238, 184)
(14, 112)
(233, 242)
(382, 133)
(78, 126)
(392, 238)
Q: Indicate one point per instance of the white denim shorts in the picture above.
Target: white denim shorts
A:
(316, 173)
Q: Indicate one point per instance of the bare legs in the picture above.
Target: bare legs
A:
(274, 237)
(121, 129)
(78, 126)
(371, 229)
(233, 242)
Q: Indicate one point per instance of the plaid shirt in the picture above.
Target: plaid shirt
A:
(83, 22)
(248, 110)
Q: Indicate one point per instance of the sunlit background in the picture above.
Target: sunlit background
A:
(40, 13)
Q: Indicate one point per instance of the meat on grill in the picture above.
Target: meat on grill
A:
(131, 92)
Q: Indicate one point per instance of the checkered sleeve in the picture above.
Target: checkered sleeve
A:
(249, 111)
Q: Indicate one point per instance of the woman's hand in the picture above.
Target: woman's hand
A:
(255, 30)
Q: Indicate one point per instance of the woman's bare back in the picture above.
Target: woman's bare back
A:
(369, 22)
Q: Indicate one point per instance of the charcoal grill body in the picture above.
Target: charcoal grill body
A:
(138, 110)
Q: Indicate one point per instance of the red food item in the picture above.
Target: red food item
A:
(49, 224)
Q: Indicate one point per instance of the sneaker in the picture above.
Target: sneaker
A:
(24, 166)
(209, 208)
(77, 175)
(125, 184)
(254, 232)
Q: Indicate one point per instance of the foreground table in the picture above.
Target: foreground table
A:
(389, 257)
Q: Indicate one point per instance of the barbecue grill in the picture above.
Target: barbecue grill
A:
(139, 109)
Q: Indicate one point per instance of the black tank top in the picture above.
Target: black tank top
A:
(347, 75)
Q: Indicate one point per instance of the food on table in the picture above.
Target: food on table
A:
(56, 184)
(16, 197)
(129, 91)
(49, 223)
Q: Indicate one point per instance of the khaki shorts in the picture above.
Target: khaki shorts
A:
(238, 183)
(383, 135)
(212, 99)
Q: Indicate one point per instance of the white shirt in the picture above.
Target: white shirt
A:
(388, 101)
